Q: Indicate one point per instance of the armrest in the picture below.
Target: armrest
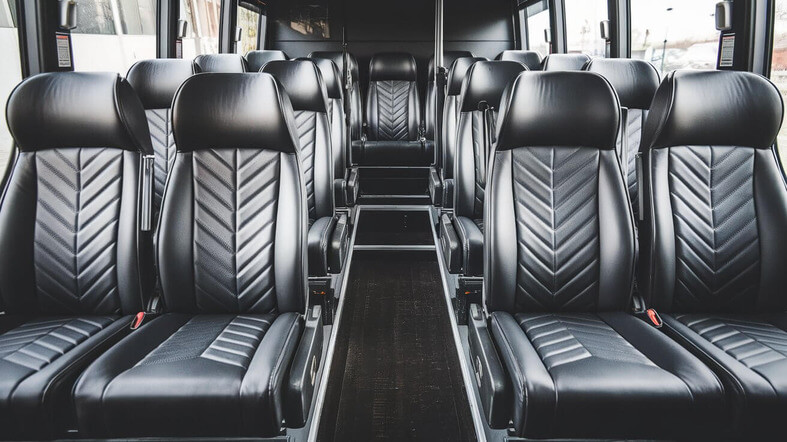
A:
(472, 240)
(352, 187)
(340, 192)
(449, 243)
(318, 239)
(303, 372)
(448, 193)
(340, 241)
(493, 384)
(435, 187)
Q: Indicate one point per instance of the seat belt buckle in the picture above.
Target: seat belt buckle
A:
(654, 318)
(137, 321)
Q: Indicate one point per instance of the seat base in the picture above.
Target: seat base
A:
(393, 153)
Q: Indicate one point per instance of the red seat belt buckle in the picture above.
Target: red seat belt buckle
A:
(654, 318)
(137, 320)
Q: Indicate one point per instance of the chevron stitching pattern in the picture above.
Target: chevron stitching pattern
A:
(570, 338)
(235, 203)
(306, 122)
(238, 341)
(480, 163)
(634, 136)
(716, 236)
(557, 227)
(160, 126)
(36, 344)
(392, 110)
(756, 344)
(76, 230)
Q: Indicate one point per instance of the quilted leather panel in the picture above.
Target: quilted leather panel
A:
(557, 228)
(38, 343)
(235, 194)
(238, 341)
(716, 235)
(756, 344)
(570, 338)
(160, 126)
(481, 159)
(76, 229)
(392, 110)
(306, 122)
(633, 136)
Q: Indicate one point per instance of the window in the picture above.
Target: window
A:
(249, 24)
(10, 70)
(674, 34)
(111, 35)
(779, 65)
(583, 26)
(202, 17)
(536, 26)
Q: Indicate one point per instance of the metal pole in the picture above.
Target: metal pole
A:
(438, 41)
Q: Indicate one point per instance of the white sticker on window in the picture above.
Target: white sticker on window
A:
(63, 50)
(727, 50)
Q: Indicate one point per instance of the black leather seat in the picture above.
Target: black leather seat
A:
(345, 179)
(441, 181)
(309, 97)
(74, 258)
(431, 94)
(255, 60)
(635, 82)
(394, 134)
(156, 82)
(531, 59)
(485, 83)
(559, 272)
(713, 246)
(353, 93)
(565, 62)
(220, 63)
(215, 364)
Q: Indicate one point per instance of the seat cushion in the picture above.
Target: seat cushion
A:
(191, 375)
(39, 360)
(603, 375)
(749, 353)
(393, 153)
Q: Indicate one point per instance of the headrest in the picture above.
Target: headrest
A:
(257, 59)
(390, 66)
(565, 62)
(458, 72)
(635, 81)
(245, 111)
(303, 83)
(531, 59)
(449, 57)
(224, 63)
(77, 109)
(338, 58)
(157, 80)
(714, 108)
(572, 109)
(330, 76)
(486, 81)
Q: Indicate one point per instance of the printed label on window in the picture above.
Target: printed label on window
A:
(727, 50)
(63, 50)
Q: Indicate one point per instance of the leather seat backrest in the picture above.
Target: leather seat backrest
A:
(565, 62)
(392, 105)
(531, 59)
(69, 218)
(156, 82)
(431, 94)
(255, 60)
(354, 94)
(560, 234)
(232, 237)
(306, 89)
(715, 199)
(485, 82)
(332, 79)
(456, 77)
(223, 63)
(635, 82)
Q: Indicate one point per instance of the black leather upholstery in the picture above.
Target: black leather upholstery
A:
(485, 82)
(215, 364)
(559, 270)
(429, 107)
(565, 62)
(73, 257)
(156, 82)
(220, 63)
(304, 85)
(255, 60)
(354, 94)
(392, 105)
(531, 59)
(713, 248)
